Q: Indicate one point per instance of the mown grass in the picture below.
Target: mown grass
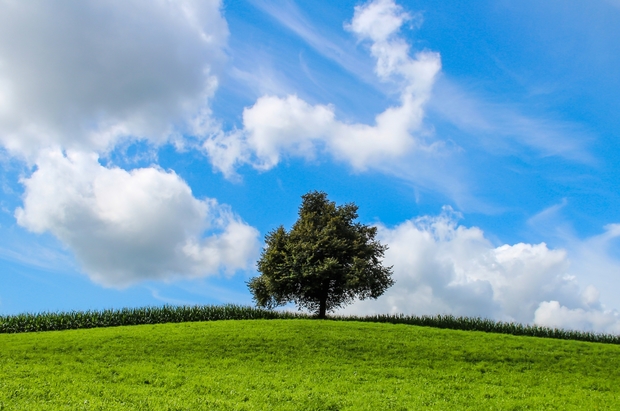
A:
(49, 321)
(301, 364)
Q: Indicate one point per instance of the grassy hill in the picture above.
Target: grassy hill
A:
(302, 364)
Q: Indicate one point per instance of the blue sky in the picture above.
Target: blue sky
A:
(148, 147)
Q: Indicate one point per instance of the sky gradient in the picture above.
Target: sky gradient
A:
(146, 148)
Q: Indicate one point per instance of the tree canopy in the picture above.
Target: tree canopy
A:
(324, 262)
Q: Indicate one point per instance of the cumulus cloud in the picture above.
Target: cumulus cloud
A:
(128, 226)
(275, 127)
(553, 314)
(76, 80)
(83, 75)
(595, 257)
(443, 267)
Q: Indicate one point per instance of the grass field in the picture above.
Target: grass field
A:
(302, 365)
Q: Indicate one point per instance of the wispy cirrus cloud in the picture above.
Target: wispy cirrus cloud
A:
(276, 127)
(335, 48)
(503, 130)
(499, 127)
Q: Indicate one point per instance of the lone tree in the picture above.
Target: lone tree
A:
(324, 262)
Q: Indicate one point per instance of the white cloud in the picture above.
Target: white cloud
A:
(84, 75)
(479, 117)
(552, 314)
(595, 257)
(442, 267)
(128, 226)
(276, 127)
(82, 78)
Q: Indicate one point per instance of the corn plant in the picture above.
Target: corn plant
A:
(50, 321)
(486, 325)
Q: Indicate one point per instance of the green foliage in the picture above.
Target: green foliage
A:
(48, 321)
(325, 262)
(486, 325)
(302, 365)
(170, 314)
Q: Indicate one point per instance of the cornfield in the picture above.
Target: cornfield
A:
(486, 325)
(49, 321)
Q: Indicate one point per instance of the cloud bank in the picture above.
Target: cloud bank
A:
(443, 267)
(276, 127)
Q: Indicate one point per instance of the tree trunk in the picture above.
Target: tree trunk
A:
(322, 307)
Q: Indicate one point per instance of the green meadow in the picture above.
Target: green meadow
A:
(302, 364)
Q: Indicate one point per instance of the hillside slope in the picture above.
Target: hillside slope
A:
(301, 365)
